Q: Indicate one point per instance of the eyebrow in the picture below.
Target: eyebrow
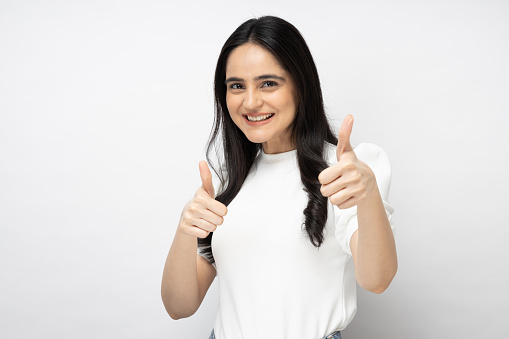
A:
(260, 77)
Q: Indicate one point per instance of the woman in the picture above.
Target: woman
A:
(307, 214)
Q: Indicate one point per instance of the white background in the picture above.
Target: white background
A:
(105, 108)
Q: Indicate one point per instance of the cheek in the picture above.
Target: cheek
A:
(231, 104)
(284, 100)
(232, 107)
(289, 105)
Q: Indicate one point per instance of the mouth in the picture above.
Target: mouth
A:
(258, 117)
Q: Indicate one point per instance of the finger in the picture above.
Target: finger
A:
(330, 173)
(338, 169)
(197, 232)
(344, 137)
(204, 225)
(340, 197)
(203, 199)
(216, 207)
(333, 187)
(348, 203)
(210, 217)
(206, 179)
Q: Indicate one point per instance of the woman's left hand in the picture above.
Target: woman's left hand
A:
(349, 182)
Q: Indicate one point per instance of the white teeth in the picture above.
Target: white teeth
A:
(260, 117)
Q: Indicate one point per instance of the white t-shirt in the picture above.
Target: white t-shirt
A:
(273, 283)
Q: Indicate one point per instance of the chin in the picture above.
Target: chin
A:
(256, 138)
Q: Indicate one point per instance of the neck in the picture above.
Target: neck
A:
(278, 146)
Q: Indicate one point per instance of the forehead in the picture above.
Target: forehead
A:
(250, 59)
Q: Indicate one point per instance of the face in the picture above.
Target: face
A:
(261, 97)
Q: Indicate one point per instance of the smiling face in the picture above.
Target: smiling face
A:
(261, 97)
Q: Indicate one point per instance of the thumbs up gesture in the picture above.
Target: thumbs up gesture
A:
(350, 181)
(203, 213)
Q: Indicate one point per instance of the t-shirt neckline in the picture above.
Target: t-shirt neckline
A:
(277, 157)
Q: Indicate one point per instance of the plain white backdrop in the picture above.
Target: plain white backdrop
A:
(105, 109)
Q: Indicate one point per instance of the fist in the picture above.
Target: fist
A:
(350, 181)
(202, 214)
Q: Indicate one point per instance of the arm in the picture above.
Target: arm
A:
(372, 245)
(351, 182)
(187, 277)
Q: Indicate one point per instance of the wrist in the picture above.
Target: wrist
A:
(372, 199)
(182, 234)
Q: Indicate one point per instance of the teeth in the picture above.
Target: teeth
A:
(259, 118)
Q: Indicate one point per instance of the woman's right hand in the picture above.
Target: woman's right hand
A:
(202, 214)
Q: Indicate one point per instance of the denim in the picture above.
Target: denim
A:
(335, 335)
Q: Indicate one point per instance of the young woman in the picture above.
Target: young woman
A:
(307, 214)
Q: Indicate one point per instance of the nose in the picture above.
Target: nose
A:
(252, 99)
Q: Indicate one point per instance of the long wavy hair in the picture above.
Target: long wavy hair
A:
(308, 131)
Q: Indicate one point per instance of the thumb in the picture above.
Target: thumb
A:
(344, 136)
(206, 179)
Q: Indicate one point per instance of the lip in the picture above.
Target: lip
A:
(257, 123)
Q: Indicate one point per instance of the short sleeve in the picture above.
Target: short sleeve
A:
(346, 219)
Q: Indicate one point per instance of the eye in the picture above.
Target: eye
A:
(269, 84)
(236, 86)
